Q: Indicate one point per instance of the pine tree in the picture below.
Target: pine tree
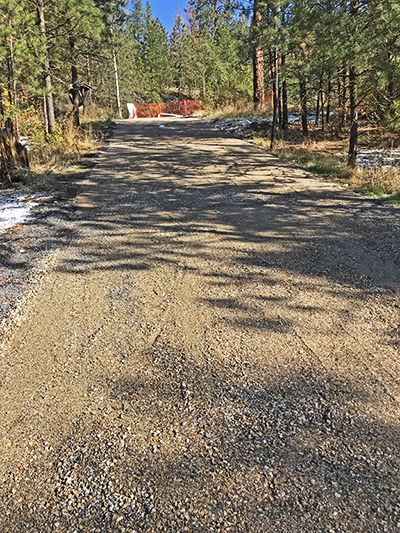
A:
(114, 20)
(22, 53)
(156, 58)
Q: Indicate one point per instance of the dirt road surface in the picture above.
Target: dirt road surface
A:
(216, 348)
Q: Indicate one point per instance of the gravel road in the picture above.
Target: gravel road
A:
(212, 346)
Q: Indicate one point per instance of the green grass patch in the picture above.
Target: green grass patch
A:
(380, 194)
(394, 199)
(315, 162)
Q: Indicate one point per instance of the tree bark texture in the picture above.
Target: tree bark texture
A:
(322, 110)
(328, 103)
(352, 157)
(318, 107)
(258, 63)
(50, 115)
(13, 85)
(74, 84)
(342, 97)
(275, 81)
(353, 94)
(117, 82)
(285, 113)
(303, 102)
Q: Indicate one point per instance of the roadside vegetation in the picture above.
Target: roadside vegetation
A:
(65, 146)
(325, 153)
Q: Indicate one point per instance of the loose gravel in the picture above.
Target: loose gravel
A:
(215, 348)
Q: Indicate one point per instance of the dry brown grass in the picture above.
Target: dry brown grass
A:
(384, 180)
(66, 145)
(325, 153)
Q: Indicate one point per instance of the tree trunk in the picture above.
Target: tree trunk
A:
(352, 157)
(258, 64)
(353, 93)
(117, 82)
(328, 103)
(50, 116)
(280, 119)
(285, 114)
(342, 98)
(9, 81)
(339, 103)
(258, 78)
(317, 111)
(275, 80)
(215, 22)
(46, 118)
(74, 85)
(88, 96)
(14, 86)
(322, 110)
(303, 101)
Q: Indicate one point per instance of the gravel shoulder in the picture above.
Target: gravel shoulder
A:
(212, 346)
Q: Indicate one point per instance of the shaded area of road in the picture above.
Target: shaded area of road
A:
(215, 350)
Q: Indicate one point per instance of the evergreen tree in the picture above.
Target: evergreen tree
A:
(21, 53)
(156, 58)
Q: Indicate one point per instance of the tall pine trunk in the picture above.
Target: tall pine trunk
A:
(275, 81)
(116, 81)
(303, 102)
(322, 110)
(74, 85)
(342, 97)
(258, 62)
(280, 119)
(353, 94)
(88, 97)
(49, 107)
(116, 76)
(352, 156)
(285, 113)
(13, 84)
(328, 102)
(317, 111)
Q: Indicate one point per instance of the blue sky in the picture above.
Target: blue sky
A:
(165, 11)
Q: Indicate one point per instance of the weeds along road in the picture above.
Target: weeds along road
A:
(215, 350)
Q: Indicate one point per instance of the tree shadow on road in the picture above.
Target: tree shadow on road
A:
(235, 216)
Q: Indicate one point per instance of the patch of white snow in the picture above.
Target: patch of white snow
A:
(15, 209)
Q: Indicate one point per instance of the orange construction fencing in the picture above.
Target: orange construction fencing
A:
(179, 108)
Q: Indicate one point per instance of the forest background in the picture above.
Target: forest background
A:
(336, 58)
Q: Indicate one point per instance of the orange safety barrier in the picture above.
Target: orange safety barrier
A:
(180, 108)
